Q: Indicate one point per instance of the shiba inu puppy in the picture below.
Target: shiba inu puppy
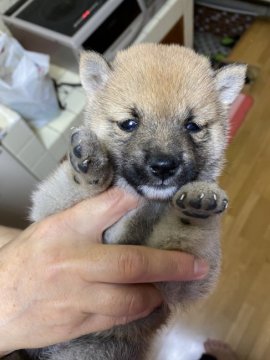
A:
(156, 125)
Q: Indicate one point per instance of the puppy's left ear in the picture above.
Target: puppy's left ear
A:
(229, 82)
(94, 71)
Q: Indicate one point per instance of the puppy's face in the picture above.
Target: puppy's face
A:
(161, 113)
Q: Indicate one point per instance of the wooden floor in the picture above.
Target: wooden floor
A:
(239, 310)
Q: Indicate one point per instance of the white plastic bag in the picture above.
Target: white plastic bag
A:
(24, 83)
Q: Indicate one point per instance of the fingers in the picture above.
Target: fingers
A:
(122, 264)
(96, 323)
(138, 264)
(119, 300)
(99, 213)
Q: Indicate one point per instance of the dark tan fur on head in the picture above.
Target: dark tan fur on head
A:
(164, 88)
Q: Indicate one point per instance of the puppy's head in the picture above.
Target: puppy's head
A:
(161, 112)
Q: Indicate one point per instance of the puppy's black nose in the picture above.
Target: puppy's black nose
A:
(163, 166)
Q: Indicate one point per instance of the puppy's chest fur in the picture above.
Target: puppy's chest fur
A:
(136, 227)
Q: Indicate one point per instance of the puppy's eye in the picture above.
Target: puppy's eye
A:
(192, 127)
(129, 125)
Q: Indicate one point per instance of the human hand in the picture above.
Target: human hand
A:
(58, 281)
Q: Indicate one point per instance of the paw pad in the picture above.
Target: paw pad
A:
(77, 151)
(201, 200)
(84, 166)
(89, 159)
(79, 155)
(197, 202)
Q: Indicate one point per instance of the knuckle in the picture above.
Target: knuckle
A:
(132, 265)
(46, 231)
(134, 304)
(185, 267)
(113, 196)
(123, 320)
(52, 265)
(47, 252)
(41, 231)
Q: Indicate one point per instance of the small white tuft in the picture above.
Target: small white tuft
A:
(157, 193)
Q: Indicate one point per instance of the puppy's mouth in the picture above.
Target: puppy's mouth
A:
(160, 192)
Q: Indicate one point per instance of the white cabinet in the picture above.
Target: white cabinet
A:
(16, 185)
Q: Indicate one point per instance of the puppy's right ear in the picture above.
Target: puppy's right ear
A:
(94, 71)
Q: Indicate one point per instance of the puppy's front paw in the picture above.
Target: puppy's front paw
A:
(89, 159)
(200, 199)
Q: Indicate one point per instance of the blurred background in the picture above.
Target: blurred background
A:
(33, 143)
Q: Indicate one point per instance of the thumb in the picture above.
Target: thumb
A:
(94, 215)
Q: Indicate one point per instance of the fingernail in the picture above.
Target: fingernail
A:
(201, 268)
